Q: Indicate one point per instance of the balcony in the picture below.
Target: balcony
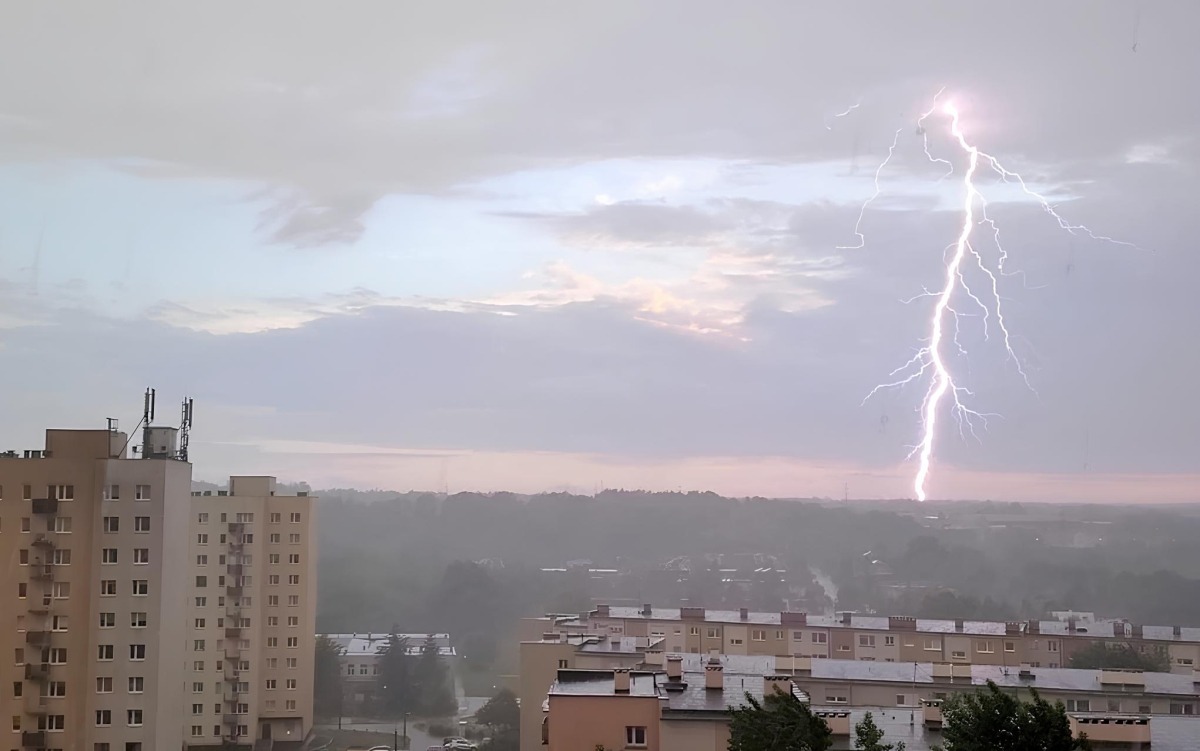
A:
(233, 632)
(41, 572)
(233, 590)
(1127, 731)
(35, 704)
(229, 720)
(33, 739)
(37, 671)
(232, 674)
(37, 638)
(43, 541)
(47, 506)
(234, 570)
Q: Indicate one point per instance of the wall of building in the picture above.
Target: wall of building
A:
(582, 722)
(540, 663)
(695, 735)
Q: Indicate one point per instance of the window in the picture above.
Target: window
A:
(291, 662)
(243, 708)
(1052, 645)
(62, 524)
(1079, 705)
(293, 620)
(273, 579)
(735, 642)
(141, 555)
(295, 579)
(23, 557)
(201, 560)
(294, 517)
(104, 652)
(985, 647)
(958, 655)
(133, 718)
(56, 655)
(273, 558)
(63, 492)
(197, 688)
(1010, 646)
(295, 538)
(137, 684)
(62, 590)
(202, 517)
(62, 557)
(108, 587)
(57, 689)
(291, 684)
(141, 524)
(198, 623)
(198, 645)
(137, 620)
(137, 651)
(758, 634)
(54, 722)
(889, 641)
(112, 492)
(635, 735)
(271, 683)
(293, 557)
(274, 538)
(58, 623)
(843, 648)
(202, 539)
(24, 523)
(103, 718)
(272, 620)
(201, 581)
(108, 555)
(272, 600)
(293, 601)
(197, 730)
(834, 699)
(820, 638)
(272, 641)
(866, 640)
(293, 642)
(141, 587)
(22, 588)
(104, 685)
(1183, 708)
(274, 518)
(141, 493)
(245, 518)
(108, 620)
(932, 645)
(112, 524)
(248, 538)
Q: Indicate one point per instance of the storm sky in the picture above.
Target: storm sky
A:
(536, 246)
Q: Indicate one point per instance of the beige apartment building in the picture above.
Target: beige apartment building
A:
(250, 640)
(136, 615)
(682, 705)
(93, 615)
(1047, 644)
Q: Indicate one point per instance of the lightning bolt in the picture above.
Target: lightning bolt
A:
(943, 391)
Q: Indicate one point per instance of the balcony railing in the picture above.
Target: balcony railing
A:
(37, 638)
(45, 505)
(229, 720)
(42, 572)
(234, 570)
(234, 632)
(233, 590)
(37, 671)
(33, 739)
(43, 541)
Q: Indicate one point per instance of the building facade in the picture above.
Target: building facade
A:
(93, 614)
(1045, 644)
(251, 626)
(359, 662)
(138, 615)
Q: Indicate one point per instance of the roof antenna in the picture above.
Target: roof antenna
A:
(185, 428)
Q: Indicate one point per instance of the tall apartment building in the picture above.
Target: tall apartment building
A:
(138, 615)
(92, 614)
(251, 624)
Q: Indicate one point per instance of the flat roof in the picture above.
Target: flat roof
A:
(368, 645)
(1102, 627)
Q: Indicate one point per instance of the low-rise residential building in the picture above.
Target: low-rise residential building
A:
(683, 705)
(360, 656)
(1040, 643)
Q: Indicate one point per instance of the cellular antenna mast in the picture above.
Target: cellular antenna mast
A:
(185, 428)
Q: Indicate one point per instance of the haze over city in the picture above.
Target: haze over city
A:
(536, 247)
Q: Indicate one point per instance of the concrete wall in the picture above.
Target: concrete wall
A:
(581, 722)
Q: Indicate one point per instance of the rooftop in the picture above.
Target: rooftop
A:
(368, 644)
(1101, 627)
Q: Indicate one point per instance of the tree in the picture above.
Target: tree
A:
(395, 677)
(1099, 655)
(433, 685)
(868, 737)
(780, 722)
(993, 720)
(327, 678)
(500, 711)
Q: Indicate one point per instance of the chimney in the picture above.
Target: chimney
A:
(714, 675)
(601, 610)
(1072, 624)
(1136, 631)
(846, 616)
(958, 624)
(621, 680)
(674, 667)
(647, 610)
(793, 619)
(902, 623)
(1034, 627)
(1013, 628)
(745, 613)
(1177, 631)
(773, 683)
(688, 613)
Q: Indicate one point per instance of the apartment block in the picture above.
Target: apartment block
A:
(1048, 644)
(250, 632)
(93, 616)
(682, 704)
(359, 662)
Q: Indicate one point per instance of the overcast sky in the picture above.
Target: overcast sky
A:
(538, 246)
